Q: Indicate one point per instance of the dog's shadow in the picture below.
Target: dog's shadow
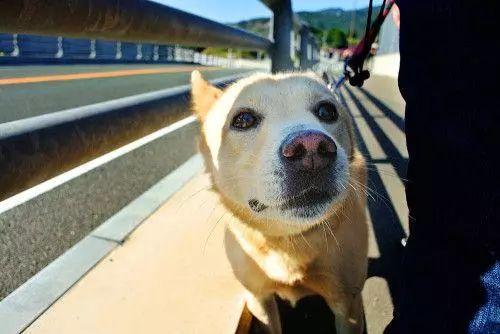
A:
(311, 315)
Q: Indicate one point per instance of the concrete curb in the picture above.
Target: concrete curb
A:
(118, 227)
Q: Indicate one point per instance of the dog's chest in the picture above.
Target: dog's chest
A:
(281, 267)
(284, 265)
(289, 276)
(280, 263)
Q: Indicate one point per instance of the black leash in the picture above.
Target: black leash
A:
(353, 66)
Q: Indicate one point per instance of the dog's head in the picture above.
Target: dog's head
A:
(277, 147)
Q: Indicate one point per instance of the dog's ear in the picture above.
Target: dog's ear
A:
(203, 95)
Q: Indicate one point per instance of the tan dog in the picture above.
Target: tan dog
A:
(282, 156)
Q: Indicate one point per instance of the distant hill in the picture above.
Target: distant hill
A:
(323, 19)
(259, 26)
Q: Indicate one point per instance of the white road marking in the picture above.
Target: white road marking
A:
(58, 180)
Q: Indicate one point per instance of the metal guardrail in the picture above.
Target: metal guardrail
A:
(24, 48)
(31, 151)
(144, 21)
(35, 49)
(133, 21)
(283, 21)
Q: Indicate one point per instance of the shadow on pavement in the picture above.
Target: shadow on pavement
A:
(387, 227)
(388, 112)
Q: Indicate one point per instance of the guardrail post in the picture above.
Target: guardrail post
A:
(15, 44)
(304, 47)
(138, 55)
(282, 26)
(93, 52)
(315, 51)
(60, 52)
(119, 54)
(156, 52)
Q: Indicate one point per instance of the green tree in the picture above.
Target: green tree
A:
(319, 34)
(336, 38)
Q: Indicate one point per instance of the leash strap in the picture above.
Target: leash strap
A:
(353, 66)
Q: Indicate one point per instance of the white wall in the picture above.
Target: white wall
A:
(386, 64)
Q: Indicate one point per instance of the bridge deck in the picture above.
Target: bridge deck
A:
(172, 273)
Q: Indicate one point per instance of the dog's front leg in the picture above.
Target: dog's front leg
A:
(265, 309)
(349, 316)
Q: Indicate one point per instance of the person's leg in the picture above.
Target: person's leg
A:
(450, 270)
(487, 318)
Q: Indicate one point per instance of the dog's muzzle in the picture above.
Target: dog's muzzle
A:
(308, 151)
(307, 160)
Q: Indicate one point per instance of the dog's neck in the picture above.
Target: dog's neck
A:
(305, 244)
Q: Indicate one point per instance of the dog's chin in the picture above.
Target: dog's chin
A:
(310, 205)
(295, 214)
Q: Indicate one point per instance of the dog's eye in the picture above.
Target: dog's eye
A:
(244, 120)
(327, 112)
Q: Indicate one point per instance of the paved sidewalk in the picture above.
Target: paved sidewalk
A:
(171, 275)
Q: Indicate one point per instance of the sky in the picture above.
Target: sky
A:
(229, 11)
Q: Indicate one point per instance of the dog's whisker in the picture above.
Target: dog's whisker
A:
(204, 202)
(185, 200)
(216, 205)
(212, 230)
(305, 240)
(345, 216)
(369, 191)
(291, 241)
(333, 235)
(386, 172)
(324, 235)
(384, 199)
(362, 189)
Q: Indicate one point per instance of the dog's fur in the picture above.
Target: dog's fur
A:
(273, 251)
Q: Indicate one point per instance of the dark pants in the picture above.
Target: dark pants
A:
(450, 273)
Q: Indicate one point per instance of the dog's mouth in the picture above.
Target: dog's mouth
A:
(307, 199)
(307, 204)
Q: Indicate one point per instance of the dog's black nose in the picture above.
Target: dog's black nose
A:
(308, 150)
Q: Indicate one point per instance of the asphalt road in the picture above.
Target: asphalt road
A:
(18, 101)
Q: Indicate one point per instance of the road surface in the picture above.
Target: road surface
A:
(27, 91)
